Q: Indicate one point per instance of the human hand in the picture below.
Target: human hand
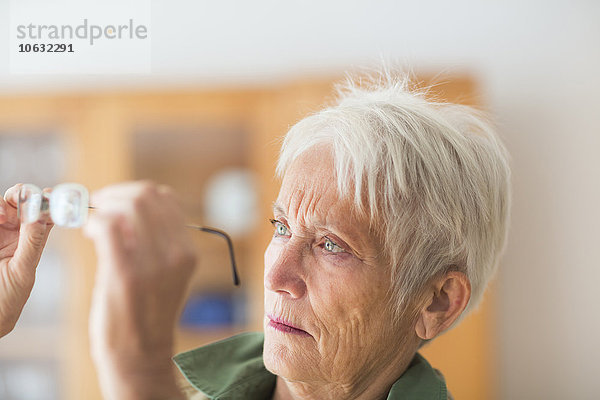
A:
(20, 251)
(145, 263)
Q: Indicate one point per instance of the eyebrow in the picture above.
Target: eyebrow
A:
(277, 209)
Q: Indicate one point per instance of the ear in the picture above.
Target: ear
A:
(447, 298)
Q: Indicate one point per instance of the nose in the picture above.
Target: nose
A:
(284, 270)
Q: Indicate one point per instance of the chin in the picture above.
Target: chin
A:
(284, 359)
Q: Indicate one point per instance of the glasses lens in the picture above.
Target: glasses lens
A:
(69, 205)
(30, 203)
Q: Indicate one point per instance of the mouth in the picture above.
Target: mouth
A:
(281, 325)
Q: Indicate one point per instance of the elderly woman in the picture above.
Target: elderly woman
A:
(390, 221)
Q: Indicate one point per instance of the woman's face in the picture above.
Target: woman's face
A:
(327, 314)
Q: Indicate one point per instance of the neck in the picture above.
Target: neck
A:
(373, 387)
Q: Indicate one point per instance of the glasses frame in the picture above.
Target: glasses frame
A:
(46, 203)
(223, 234)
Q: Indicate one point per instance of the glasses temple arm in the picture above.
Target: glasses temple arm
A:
(236, 279)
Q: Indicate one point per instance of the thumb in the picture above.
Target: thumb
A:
(32, 239)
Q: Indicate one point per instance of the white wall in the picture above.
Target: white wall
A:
(539, 67)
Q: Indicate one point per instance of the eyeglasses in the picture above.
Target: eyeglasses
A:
(68, 205)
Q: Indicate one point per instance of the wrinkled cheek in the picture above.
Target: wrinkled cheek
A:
(334, 341)
(347, 334)
(340, 355)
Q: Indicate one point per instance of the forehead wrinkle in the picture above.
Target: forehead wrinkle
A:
(306, 203)
(304, 206)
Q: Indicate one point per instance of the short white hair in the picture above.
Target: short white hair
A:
(433, 175)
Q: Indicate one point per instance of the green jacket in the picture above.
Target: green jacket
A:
(233, 369)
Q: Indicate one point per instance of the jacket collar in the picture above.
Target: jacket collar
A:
(233, 369)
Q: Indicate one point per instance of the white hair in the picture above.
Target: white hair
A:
(434, 176)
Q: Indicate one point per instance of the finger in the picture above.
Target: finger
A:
(174, 239)
(11, 196)
(119, 208)
(164, 217)
(126, 190)
(5, 211)
(106, 230)
(8, 215)
(32, 239)
(154, 217)
(134, 201)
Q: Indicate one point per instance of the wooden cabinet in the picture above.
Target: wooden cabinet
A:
(181, 139)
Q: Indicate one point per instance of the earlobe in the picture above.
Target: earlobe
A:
(447, 299)
(421, 328)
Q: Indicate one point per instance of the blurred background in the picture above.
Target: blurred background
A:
(227, 80)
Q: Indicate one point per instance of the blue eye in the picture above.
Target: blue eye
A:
(280, 229)
(332, 247)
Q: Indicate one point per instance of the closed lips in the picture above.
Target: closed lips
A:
(284, 326)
